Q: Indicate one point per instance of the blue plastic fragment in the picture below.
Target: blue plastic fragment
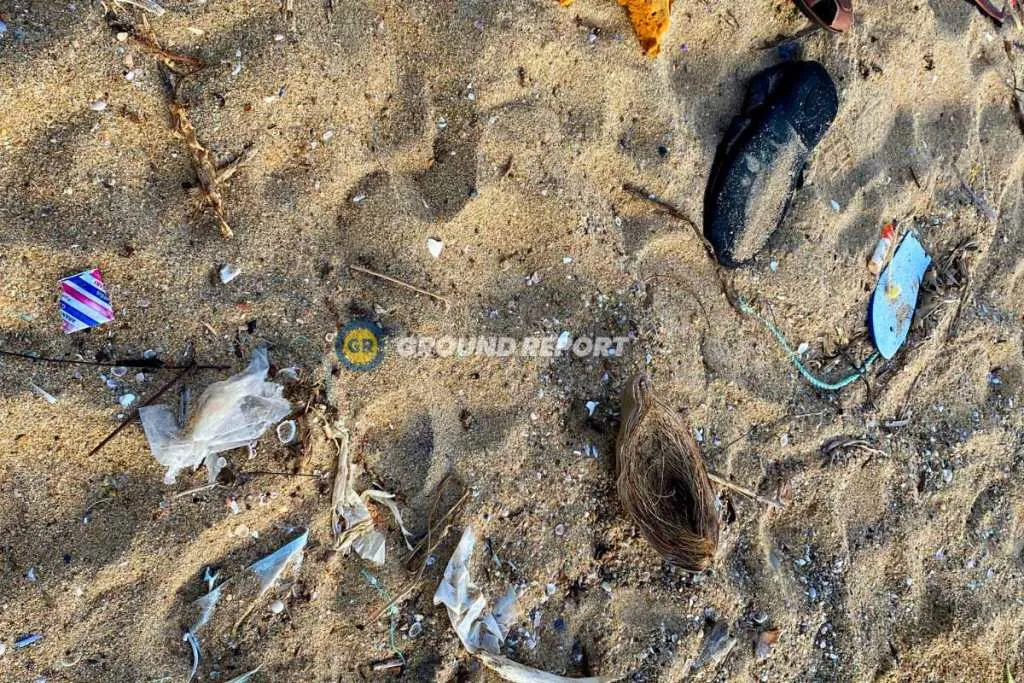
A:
(27, 639)
(895, 297)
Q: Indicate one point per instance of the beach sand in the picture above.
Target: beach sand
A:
(507, 130)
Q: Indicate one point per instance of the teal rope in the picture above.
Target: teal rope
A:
(795, 357)
(392, 612)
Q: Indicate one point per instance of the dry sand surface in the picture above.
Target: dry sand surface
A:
(507, 129)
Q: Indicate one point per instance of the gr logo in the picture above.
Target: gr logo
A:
(360, 345)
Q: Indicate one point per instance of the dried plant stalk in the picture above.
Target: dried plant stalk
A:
(662, 482)
(202, 162)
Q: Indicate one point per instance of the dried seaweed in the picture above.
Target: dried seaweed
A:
(202, 163)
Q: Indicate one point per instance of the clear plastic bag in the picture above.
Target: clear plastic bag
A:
(232, 413)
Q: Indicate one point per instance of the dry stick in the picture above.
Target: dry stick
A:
(675, 212)
(670, 209)
(202, 163)
(117, 430)
(743, 491)
(400, 283)
(431, 531)
(229, 169)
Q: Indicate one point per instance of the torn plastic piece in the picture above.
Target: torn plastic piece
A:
(246, 676)
(231, 413)
(481, 629)
(351, 519)
(84, 301)
(716, 646)
(27, 639)
(148, 5)
(228, 273)
(193, 642)
(206, 604)
(520, 673)
(387, 499)
(270, 568)
(47, 396)
(477, 627)
(895, 297)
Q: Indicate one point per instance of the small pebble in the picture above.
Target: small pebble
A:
(591, 407)
(119, 371)
(127, 400)
(560, 530)
(277, 607)
(835, 206)
(150, 353)
(98, 105)
(774, 265)
(122, 36)
(415, 629)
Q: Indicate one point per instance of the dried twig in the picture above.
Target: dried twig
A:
(980, 203)
(671, 210)
(202, 163)
(742, 490)
(226, 171)
(400, 283)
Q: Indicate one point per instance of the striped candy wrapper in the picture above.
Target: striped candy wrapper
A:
(84, 302)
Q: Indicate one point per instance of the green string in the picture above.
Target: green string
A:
(795, 357)
(392, 612)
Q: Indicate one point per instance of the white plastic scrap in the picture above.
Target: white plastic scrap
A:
(246, 676)
(206, 604)
(191, 639)
(270, 568)
(481, 629)
(148, 5)
(229, 414)
(50, 398)
(351, 520)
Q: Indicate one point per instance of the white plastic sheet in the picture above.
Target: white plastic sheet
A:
(229, 414)
(482, 629)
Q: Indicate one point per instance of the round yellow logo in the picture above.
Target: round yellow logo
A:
(360, 345)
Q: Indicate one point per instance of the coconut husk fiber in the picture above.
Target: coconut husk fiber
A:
(662, 482)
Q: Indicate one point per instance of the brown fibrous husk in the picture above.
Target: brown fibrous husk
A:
(662, 481)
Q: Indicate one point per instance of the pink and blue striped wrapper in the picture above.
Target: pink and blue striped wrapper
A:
(84, 301)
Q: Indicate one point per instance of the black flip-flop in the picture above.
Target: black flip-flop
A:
(761, 159)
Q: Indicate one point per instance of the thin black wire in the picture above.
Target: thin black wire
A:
(147, 365)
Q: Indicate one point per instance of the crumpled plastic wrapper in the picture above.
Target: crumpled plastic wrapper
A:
(482, 629)
(228, 414)
(351, 519)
